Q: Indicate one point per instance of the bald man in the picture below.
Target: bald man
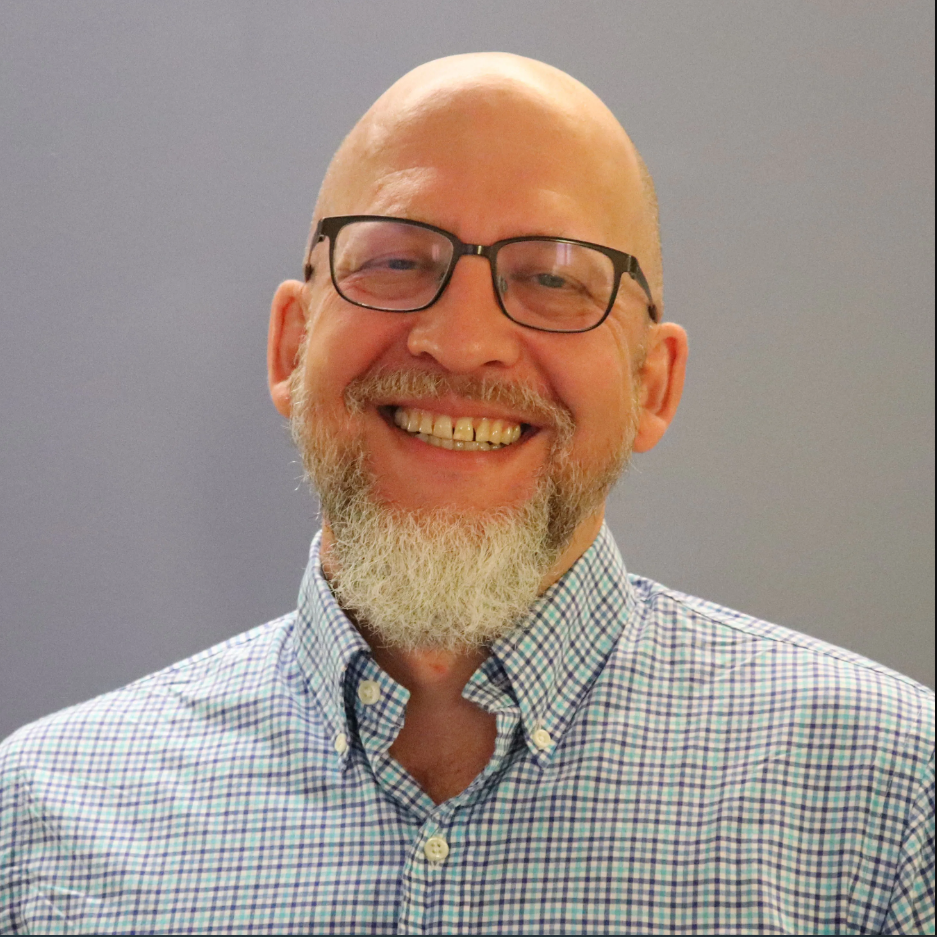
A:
(476, 722)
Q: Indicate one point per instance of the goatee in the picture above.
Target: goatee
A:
(442, 578)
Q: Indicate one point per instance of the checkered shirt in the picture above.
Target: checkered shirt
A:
(702, 772)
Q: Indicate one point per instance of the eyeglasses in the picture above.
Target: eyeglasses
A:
(545, 283)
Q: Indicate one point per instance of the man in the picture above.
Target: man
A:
(476, 721)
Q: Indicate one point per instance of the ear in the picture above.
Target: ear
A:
(287, 327)
(661, 383)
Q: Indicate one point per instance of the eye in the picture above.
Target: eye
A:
(400, 263)
(550, 280)
(391, 263)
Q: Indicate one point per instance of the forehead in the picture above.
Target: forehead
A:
(491, 161)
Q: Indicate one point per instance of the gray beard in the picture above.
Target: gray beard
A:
(442, 578)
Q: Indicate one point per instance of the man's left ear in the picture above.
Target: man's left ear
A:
(661, 383)
(287, 327)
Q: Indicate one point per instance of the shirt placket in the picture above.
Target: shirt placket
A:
(431, 859)
(435, 867)
(435, 855)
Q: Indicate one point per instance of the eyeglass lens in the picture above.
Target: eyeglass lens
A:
(543, 284)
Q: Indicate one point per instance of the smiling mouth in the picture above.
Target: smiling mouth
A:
(461, 434)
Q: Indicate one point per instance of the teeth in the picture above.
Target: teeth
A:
(443, 427)
(464, 429)
(456, 444)
(467, 435)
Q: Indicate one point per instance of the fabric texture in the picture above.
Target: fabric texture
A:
(703, 773)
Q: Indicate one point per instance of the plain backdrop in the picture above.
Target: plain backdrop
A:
(158, 166)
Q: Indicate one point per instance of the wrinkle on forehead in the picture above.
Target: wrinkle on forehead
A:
(486, 108)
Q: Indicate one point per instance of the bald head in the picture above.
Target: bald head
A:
(485, 118)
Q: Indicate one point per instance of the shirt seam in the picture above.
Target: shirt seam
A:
(660, 592)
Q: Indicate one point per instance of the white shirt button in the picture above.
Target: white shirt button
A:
(341, 743)
(369, 692)
(541, 739)
(436, 849)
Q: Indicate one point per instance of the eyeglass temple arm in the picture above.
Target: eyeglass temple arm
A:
(637, 274)
(314, 239)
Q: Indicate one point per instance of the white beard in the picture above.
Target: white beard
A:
(440, 578)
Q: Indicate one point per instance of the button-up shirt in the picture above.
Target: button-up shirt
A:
(662, 765)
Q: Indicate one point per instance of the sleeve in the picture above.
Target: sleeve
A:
(11, 804)
(911, 910)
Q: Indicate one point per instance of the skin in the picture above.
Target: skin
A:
(487, 146)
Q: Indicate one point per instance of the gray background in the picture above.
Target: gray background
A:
(158, 163)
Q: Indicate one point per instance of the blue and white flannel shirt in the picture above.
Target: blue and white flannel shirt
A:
(662, 766)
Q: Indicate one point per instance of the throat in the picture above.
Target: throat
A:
(446, 741)
(445, 750)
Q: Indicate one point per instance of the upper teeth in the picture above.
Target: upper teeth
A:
(464, 432)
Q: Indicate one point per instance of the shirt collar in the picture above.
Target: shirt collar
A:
(558, 651)
(550, 660)
(326, 642)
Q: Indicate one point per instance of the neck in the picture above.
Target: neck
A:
(434, 675)
(582, 539)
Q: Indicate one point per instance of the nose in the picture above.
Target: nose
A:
(465, 329)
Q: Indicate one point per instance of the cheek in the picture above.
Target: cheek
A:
(343, 343)
(594, 381)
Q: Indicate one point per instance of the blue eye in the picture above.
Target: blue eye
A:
(398, 263)
(550, 280)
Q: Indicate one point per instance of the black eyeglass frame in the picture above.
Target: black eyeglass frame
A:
(622, 263)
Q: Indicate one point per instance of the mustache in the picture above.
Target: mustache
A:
(383, 385)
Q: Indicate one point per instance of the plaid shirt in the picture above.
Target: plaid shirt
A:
(662, 766)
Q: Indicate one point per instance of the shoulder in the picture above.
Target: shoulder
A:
(699, 646)
(190, 699)
(114, 769)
